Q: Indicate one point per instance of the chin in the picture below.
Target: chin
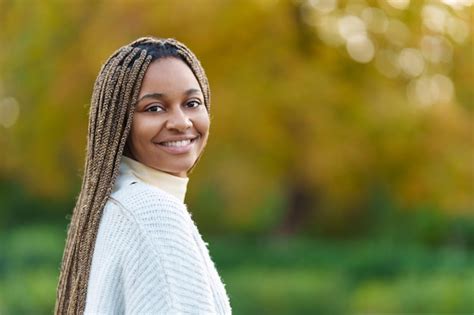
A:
(176, 170)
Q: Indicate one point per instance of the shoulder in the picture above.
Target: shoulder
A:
(149, 206)
(139, 196)
(139, 193)
(161, 224)
(148, 219)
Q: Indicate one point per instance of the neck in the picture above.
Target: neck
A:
(172, 184)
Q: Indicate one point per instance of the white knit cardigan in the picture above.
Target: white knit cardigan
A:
(149, 257)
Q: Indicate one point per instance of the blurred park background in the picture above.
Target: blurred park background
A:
(339, 174)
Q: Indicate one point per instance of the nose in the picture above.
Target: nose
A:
(178, 120)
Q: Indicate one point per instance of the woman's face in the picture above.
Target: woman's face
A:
(170, 126)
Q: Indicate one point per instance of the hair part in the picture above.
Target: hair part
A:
(113, 102)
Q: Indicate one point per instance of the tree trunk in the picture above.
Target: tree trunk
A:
(301, 201)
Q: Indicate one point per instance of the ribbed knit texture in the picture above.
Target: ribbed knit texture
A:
(149, 257)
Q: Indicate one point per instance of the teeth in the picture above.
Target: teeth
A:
(181, 143)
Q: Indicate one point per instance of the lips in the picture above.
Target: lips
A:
(180, 143)
(178, 139)
(179, 146)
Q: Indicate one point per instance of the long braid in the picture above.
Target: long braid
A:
(115, 94)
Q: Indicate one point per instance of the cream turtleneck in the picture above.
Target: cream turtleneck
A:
(172, 184)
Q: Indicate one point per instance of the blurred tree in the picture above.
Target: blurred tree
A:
(316, 104)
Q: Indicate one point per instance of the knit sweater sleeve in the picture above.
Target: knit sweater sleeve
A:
(146, 260)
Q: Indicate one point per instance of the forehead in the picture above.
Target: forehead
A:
(168, 75)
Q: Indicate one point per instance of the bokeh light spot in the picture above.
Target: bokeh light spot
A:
(360, 48)
(323, 6)
(411, 62)
(429, 90)
(436, 49)
(399, 4)
(350, 26)
(9, 111)
(434, 18)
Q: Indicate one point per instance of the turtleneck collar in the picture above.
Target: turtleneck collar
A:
(172, 184)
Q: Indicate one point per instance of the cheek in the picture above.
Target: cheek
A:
(136, 136)
(141, 130)
(203, 128)
(202, 124)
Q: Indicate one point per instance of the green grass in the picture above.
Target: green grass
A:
(275, 276)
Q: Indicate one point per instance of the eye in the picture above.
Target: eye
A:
(154, 108)
(193, 104)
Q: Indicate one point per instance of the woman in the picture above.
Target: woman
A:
(132, 246)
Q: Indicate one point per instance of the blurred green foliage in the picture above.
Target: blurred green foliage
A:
(275, 275)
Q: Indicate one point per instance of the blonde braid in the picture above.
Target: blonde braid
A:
(116, 91)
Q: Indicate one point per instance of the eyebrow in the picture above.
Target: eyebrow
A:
(157, 95)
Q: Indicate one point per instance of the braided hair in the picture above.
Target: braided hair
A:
(114, 96)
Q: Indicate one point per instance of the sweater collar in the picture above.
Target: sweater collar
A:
(174, 185)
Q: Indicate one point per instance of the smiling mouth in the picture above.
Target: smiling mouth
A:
(178, 147)
(177, 144)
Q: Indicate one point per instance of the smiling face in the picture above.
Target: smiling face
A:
(170, 125)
